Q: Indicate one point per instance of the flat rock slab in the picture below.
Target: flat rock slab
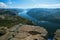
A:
(29, 32)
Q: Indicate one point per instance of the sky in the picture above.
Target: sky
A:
(29, 3)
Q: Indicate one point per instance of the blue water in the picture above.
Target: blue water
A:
(50, 27)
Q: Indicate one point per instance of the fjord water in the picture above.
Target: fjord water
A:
(49, 26)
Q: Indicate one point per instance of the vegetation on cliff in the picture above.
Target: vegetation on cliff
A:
(10, 18)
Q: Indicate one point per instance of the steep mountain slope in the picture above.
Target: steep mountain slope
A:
(52, 15)
(9, 18)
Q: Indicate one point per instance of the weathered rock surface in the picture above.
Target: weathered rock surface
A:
(3, 33)
(28, 32)
(57, 35)
(25, 32)
(3, 30)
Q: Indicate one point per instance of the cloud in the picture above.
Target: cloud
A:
(2, 5)
(40, 6)
(47, 5)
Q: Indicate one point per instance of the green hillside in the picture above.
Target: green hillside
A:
(9, 19)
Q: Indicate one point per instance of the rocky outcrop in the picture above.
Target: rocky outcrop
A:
(25, 32)
(57, 35)
(3, 30)
(4, 33)
(28, 32)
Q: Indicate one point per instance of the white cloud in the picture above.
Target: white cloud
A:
(41, 6)
(47, 5)
(2, 5)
